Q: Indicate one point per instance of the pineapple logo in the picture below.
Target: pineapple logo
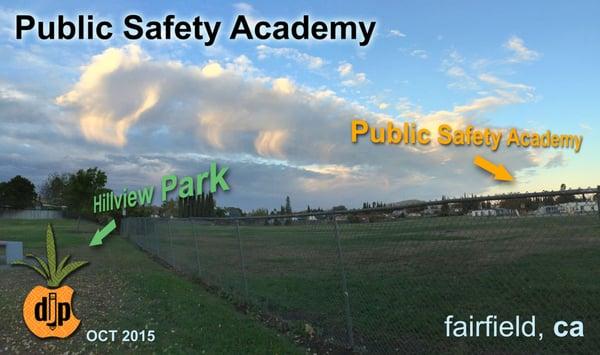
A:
(48, 312)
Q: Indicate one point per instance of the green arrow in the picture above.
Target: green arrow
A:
(102, 233)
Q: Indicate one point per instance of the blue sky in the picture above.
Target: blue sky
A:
(538, 60)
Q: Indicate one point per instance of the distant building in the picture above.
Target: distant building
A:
(494, 212)
(547, 210)
(399, 213)
(233, 212)
(578, 207)
(433, 210)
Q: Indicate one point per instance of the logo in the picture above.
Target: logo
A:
(48, 311)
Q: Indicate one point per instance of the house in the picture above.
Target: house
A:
(233, 212)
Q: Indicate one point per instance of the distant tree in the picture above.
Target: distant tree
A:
(468, 206)
(80, 190)
(339, 208)
(308, 208)
(168, 208)
(18, 193)
(220, 212)
(288, 205)
(445, 211)
(53, 189)
(563, 187)
(259, 212)
(566, 198)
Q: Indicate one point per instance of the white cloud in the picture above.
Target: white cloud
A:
(383, 105)
(520, 52)
(8, 92)
(312, 62)
(452, 66)
(243, 8)
(555, 161)
(176, 117)
(350, 78)
(284, 86)
(419, 53)
(396, 33)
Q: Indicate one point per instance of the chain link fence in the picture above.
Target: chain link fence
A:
(385, 280)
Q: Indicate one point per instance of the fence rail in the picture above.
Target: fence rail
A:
(384, 280)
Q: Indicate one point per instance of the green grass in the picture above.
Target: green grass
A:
(123, 288)
(404, 277)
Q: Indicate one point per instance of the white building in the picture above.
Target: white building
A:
(494, 212)
(547, 210)
(578, 207)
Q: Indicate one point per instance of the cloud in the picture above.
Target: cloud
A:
(139, 118)
(350, 78)
(520, 53)
(419, 53)
(453, 67)
(312, 62)
(396, 33)
(557, 160)
(8, 92)
(284, 86)
(244, 8)
(270, 143)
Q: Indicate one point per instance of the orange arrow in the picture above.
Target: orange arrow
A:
(499, 171)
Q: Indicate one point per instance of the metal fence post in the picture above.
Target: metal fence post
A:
(344, 285)
(598, 199)
(242, 261)
(194, 231)
(171, 242)
(143, 242)
(157, 238)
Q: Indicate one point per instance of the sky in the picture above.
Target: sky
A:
(278, 113)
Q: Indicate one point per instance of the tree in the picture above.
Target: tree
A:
(259, 212)
(566, 198)
(168, 208)
(52, 190)
(81, 188)
(288, 205)
(17, 193)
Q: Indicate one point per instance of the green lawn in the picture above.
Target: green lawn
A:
(123, 288)
(403, 277)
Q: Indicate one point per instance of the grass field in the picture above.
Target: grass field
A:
(123, 288)
(403, 277)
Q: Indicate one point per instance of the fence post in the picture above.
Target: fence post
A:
(598, 199)
(194, 231)
(170, 242)
(157, 238)
(242, 261)
(143, 242)
(344, 285)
